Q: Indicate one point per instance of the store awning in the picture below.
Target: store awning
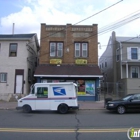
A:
(67, 71)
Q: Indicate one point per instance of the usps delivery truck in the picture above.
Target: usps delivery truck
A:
(50, 96)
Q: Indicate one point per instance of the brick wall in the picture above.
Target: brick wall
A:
(69, 34)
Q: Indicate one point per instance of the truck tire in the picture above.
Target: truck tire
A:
(26, 109)
(63, 108)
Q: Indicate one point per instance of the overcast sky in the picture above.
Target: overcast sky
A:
(29, 14)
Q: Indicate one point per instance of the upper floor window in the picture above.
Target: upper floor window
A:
(3, 77)
(134, 72)
(81, 49)
(106, 64)
(56, 49)
(134, 53)
(13, 50)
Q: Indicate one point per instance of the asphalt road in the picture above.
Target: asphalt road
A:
(78, 125)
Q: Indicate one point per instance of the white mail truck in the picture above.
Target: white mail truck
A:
(50, 96)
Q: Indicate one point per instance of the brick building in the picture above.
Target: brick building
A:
(70, 53)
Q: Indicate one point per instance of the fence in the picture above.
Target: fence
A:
(113, 90)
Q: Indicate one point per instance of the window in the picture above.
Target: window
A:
(106, 64)
(102, 65)
(56, 49)
(3, 77)
(117, 55)
(134, 72)
(81, 49)
(13, 50)
(134, 53)
(42, 92)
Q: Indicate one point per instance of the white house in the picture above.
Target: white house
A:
(18, 60)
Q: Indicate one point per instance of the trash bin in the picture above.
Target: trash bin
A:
(106, 100)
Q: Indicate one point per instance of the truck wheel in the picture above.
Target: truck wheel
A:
(26, 109)
(63, 108)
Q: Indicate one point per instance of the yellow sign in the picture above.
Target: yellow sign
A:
(81, 93)
(81, 61)
(55, 61)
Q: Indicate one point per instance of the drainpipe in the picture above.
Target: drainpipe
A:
(121, 58)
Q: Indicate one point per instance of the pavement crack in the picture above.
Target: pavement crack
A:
(77, 127)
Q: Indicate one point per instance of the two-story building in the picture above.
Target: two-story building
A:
(18, 60)
(70, 53)
(120, 65)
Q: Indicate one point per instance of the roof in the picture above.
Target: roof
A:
(128, 39)
(68, 71)
(16, 36)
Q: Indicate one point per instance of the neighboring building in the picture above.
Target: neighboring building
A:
(18, 60)
(70, 53)
(120, 65)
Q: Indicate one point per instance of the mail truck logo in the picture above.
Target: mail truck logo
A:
(59, 91)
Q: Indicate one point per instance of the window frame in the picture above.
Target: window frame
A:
(13, 51)
(42, 94)
(81, 49)
(133, 53)
(56, 49)
(3, 81)
(137, 71)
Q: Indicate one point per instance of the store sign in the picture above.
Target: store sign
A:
(55, 61)
(80, 61)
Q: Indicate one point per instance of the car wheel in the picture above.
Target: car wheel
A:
(26, 109)
(63, 108)
(121, 109)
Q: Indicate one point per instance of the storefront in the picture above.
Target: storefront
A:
(86, 77)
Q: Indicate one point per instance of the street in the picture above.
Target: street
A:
(76, 125)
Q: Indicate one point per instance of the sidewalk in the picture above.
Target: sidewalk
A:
(83, 105)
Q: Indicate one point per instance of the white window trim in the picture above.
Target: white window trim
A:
(81, 49)
(59, 49)
(129, 53)
(134, 67)
(55, 53)
(1, 80)
(84, 49)
(77, 49)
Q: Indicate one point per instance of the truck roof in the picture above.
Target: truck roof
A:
(59, 83)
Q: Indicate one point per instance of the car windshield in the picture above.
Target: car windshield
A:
(127, 97)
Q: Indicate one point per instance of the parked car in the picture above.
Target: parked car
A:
(129, 102)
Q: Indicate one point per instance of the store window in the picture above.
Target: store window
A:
(86, 87)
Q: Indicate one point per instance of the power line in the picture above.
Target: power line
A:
(82, 20)
(138, 14)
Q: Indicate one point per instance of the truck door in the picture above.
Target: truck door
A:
(42, 102)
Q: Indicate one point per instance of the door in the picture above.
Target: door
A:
(42, 102)
(19, 83)
(134, 103)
